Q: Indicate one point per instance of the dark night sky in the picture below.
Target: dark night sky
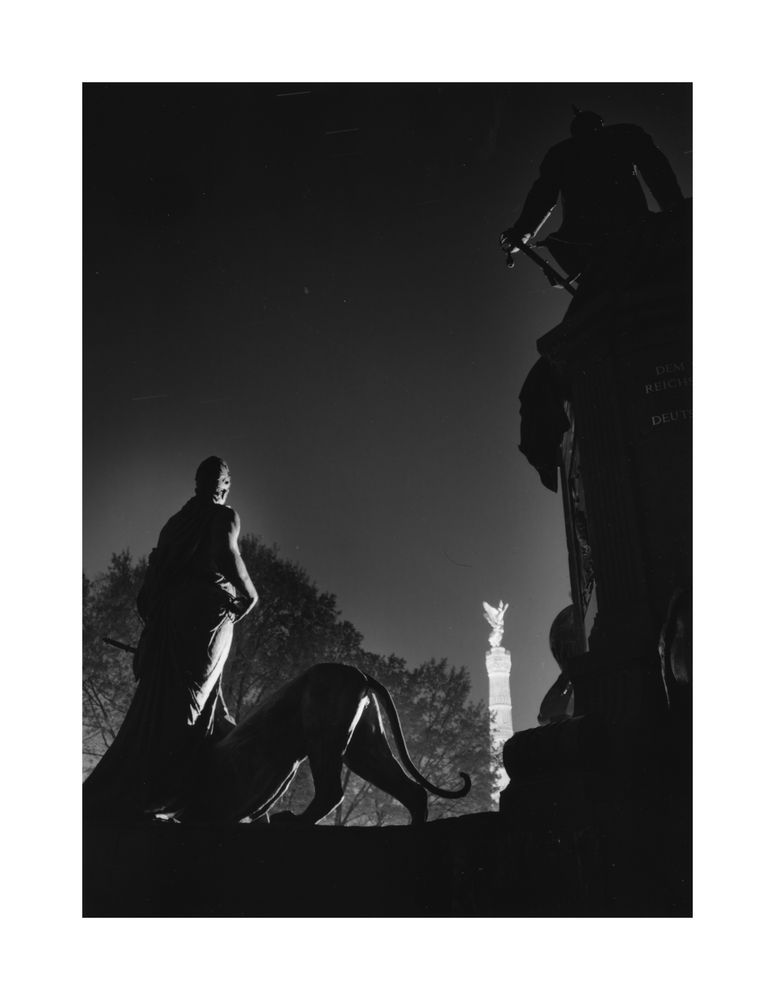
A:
(311, 287)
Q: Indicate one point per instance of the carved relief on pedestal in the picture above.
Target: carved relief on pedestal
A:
(584, 563)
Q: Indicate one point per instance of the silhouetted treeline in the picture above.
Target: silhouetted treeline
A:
(295, 626)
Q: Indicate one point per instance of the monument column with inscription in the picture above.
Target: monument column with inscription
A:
(621, 365)
(624, 354)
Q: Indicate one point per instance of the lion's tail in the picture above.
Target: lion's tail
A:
(395, 724)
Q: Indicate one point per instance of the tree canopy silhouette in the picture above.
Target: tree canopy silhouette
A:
(295, 625)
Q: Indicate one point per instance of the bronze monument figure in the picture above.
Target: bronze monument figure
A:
(593, 175)
(558, 702)
(195, 589)
(179, 754)
(329, 714)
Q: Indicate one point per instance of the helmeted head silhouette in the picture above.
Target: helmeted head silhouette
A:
(585, 122)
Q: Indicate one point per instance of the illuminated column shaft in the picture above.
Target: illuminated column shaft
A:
(498, 671)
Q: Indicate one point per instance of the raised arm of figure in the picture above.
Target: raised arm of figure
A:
(540, 201)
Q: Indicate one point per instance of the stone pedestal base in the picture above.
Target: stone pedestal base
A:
(630, 859)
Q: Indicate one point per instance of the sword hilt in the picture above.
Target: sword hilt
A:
(555, 279)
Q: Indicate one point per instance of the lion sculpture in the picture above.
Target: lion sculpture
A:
(329, 714)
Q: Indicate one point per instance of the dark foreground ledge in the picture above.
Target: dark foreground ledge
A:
(630, 859)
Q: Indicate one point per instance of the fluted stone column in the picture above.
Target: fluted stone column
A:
(498, 672)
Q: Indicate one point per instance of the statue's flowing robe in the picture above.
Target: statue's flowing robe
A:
(178, 708)
(543, 420)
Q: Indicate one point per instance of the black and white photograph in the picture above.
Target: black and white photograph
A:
(387, 455)
(362, 500)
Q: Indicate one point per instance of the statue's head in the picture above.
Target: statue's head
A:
(585, 122)
(564, 639)
(213, 479)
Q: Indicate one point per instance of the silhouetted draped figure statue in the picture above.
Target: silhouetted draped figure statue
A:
(195, 589)
(593, 175)
(543, 420)
(564, 644)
